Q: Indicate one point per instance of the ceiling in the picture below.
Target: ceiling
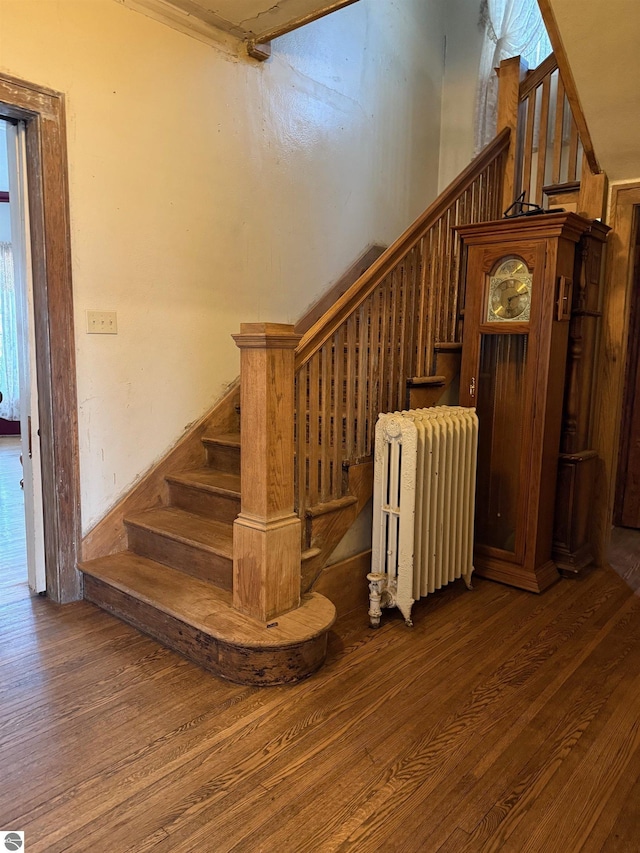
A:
(601, 39)
(256, 20)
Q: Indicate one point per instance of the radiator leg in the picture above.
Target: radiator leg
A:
(376, 585)
(467, 579)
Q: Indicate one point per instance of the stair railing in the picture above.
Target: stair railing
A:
(546, 158)
(356, 360)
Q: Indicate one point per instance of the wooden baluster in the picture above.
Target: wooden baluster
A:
(528, 145)
(374, 362)
(314, 428)
(430, 262)
(558, 131)
(572, 166)
(267, 533)
(542, 139)
(351, 391)
(384, 360)
(338, 411)
(392, 340)
(401, 334)
(326, 440)
(424, 326)
(302, 444)
(363, 369)
(414, 313)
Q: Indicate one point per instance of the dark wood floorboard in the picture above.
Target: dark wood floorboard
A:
(503, 721)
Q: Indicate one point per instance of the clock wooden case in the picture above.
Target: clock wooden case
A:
(518, 299)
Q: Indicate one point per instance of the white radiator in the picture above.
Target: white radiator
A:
(423, 505)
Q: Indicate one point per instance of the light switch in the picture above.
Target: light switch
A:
(102, 323)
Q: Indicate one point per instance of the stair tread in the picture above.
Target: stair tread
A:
(209, 478)
(204, 606)
(186, 527)
(227, 439)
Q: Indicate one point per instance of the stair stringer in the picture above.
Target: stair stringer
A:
(109, 535)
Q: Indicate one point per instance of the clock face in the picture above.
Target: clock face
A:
(510, 292)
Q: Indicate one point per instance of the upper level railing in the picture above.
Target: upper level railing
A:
(356, 360)
(548, 135)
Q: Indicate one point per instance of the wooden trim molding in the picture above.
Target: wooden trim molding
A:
(609, 380)
(43, 112)
(548, 15)
(259, 45)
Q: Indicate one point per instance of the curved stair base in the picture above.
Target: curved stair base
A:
(198, 620)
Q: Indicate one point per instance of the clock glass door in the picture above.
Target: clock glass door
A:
(501, 414)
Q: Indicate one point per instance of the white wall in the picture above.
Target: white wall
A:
(464, 46)
(206, 191)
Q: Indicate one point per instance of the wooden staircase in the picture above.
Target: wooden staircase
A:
(174, 581)
(223, 574)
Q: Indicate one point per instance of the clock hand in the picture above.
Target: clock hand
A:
(516, 295)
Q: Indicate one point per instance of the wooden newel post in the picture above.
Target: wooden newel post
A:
(267, 533)
(510, 74)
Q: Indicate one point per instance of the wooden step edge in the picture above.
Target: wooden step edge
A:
(212, 488)
(309, 554)
(561, 189)
(424, 381)
(140, 524)
(330, 506)
(226, 440)
(447, 346)
(211, 611)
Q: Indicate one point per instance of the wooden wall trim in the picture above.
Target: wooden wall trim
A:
(609, 380)
(43, 112)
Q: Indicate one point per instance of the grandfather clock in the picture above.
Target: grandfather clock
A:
(517, 309)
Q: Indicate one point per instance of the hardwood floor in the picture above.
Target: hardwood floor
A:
(13, 572)
(503, 721)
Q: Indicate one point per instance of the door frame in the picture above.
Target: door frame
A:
(614, 337)
(632, 365)
(43, 112)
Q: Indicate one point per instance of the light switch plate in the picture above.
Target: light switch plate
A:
(102, 323)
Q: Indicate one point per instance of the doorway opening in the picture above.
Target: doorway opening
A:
(48, 255)
(13, 557)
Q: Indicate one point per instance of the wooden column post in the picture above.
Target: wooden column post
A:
(510, 74)
(594, 188)
(267, 533)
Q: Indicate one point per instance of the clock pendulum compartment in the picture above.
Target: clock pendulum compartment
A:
(517, 308)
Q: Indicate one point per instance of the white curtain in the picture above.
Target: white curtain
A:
(511, 28)
(9, 382)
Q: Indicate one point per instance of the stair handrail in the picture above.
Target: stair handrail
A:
(350, 301)
(356, 360)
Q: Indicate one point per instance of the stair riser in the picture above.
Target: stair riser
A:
(186, 558)
(243, 665)
(223, 458)
(221, 507)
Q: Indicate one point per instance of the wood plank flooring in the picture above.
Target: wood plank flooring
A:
(503, 721)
